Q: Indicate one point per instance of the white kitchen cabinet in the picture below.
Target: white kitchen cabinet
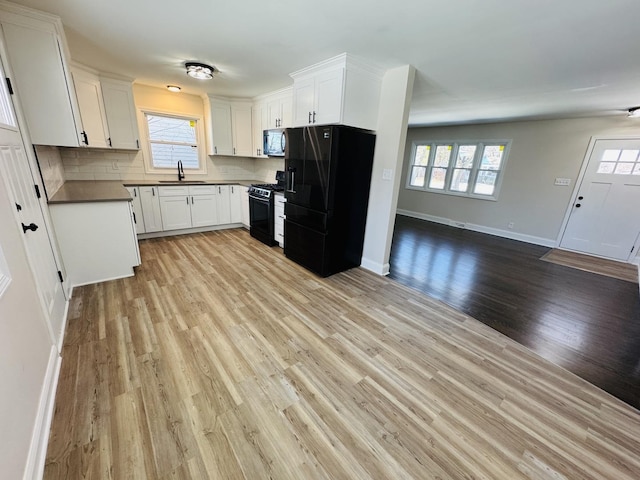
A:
(97, 240)
(120, 112)
(189, 206)
(235, 203)
(340, 90)
(92, 114)
(136, 205)
(176, 212)
(224, 204)
(151, 214)
(244, 202)
(228, 125)
(241, 129)
(259, 123)
(218, 114)
(280, 109)
(278, 218)
(37, 56)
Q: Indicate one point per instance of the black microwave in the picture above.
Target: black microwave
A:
(274, 142)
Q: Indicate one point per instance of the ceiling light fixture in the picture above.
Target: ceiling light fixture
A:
(173, 88)
(634, 112)
(200, 71)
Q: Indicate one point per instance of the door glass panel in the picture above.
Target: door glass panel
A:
(606, 167)
(417, 176)
(629, 155)
(422, 155)
(486, 183)
(610, 155)
(437, 179)
(492, 157)
(624, 169)
(460, 180)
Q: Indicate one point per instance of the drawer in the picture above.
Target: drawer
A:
(279, 200)
(203, 189)
(173, 191)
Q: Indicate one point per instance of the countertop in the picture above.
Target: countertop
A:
(77, 191)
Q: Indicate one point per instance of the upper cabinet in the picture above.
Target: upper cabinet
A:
(120, 112)
(340, 90)
(273, 110)
(95, 131)
(228, 125)
(38, 68)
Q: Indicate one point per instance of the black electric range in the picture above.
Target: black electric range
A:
(261, 211)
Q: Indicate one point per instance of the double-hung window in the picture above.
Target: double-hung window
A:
(472, 169)
(172, 138)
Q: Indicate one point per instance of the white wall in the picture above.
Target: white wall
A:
(540, 151)
(100, 164)
(25, 349)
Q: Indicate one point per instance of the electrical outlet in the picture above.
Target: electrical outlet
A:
(563, 182)
(510, 225)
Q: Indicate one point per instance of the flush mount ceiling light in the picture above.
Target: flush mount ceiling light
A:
(173, 88)
(634, 112)
(200, 71)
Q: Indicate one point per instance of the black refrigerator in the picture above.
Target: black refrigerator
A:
(328, 176)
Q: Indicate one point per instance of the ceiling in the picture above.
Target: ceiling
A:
(476, 61)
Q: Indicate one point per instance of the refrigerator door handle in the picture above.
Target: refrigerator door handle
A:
(291, 180)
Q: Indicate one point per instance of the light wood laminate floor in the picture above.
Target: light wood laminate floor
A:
(221, 359)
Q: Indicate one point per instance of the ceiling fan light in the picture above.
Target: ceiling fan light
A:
(173, 88)
(200, 71)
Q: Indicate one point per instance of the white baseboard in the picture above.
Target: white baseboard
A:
(64, 321)
(40, 438)
(545, 242)
(375, 267)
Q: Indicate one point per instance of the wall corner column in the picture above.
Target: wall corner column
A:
(391, 136)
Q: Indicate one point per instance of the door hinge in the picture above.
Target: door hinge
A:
(37, 191)
(9, 86)
(60, 276)
(633, 248)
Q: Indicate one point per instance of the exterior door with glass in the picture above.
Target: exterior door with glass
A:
(604, 218)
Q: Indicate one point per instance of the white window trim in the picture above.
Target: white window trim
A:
(474, 170)
(146, 144)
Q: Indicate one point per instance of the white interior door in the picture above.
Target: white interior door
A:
(604, 220)
(16, 172)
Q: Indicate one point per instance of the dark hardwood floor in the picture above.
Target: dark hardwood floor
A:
(586, 323)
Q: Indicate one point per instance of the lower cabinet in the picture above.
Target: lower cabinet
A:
(136, 205)
(97, 240)
(195, 206)
(150, 202)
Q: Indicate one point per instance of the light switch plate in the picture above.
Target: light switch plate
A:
(563, 182)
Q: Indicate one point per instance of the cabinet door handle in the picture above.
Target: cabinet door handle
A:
(314, 117)
(234, 150)
(219, 190)
(138, 143)
(134, 218)
(215, 150)
(153, 191)
(135, 192)
(232, 189)
(109, 141)
(85, 138)
(192, 201)
(309, 117)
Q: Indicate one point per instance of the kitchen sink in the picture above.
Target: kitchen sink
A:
(182, 182)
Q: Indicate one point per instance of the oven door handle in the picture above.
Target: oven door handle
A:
(260, 199)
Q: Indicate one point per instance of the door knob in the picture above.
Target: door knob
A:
(32, 226)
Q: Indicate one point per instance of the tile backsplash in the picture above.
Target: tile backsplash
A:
(98, 164)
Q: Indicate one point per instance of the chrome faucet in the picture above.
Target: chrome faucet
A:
(180, 171)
